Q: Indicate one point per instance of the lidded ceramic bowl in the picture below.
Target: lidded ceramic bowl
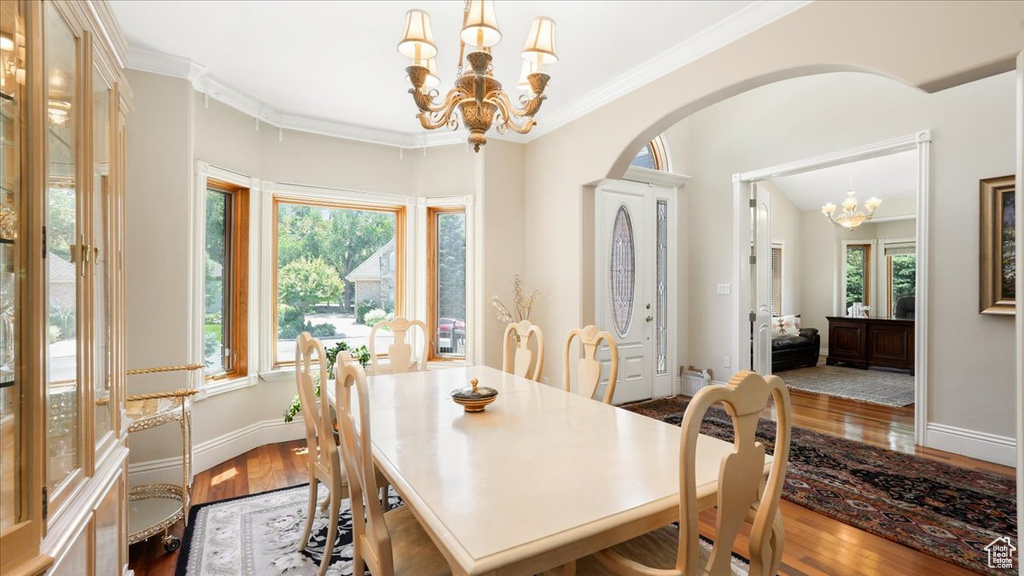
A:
(474, 398)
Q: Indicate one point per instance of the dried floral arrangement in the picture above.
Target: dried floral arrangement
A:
(522, 303)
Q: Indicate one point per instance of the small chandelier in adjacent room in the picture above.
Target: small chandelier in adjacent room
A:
(850, 217)
(477, 95)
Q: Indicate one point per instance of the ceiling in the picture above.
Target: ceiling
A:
(886, 177)
(337, 61)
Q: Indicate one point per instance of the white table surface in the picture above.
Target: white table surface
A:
(540, 477)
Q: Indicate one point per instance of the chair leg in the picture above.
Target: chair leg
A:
(358, 566)
(332, 530)
(310, 512)
(569, 568)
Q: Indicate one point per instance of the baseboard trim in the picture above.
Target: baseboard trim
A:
(980, 445)
(208, 454)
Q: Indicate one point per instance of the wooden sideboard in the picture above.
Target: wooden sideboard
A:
(867, 342)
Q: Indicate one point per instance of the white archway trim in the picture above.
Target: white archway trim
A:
(743, 183)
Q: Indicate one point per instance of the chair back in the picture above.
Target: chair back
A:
(370, 537)
(516, 354)
(742, 489)
(588, 369)
(905, 307)
(400, 356)
(323, 451)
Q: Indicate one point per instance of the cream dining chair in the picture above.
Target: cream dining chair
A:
(324, 459)
(516, 354)
(390, 543)
(743, 493)
(400, 357)
(588, 369)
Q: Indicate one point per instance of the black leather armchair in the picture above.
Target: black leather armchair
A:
(801, 351)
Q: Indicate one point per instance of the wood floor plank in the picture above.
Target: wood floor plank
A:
(816, 545)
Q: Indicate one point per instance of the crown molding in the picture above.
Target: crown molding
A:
(721, 34)
(727, 31)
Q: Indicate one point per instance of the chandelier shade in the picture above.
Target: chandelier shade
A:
(481, 27)
(477, 96)
(418, 41)
(540, 42)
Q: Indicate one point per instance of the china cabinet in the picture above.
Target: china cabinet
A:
(63, 434)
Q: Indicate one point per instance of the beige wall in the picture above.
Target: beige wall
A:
(973, 139)
(931, 45)
(173, 127)
(787, 229)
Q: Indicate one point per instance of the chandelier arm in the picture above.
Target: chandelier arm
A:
(529, 109)
(506, 120)
(426, 104)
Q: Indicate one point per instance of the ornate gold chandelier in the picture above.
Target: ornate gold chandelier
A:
(477, 95)
(850, 217)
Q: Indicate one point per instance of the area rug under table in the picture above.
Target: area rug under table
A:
(888, 388)
(258, 535)
(943, 510)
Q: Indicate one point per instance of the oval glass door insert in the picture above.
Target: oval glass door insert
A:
(622, 267)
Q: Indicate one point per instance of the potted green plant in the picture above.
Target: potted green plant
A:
(360, 353)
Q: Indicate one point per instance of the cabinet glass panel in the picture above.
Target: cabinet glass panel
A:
(101, 233)
(12, 78)
(63, 251)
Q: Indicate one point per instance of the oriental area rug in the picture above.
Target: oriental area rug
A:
(947, 511)
(258, 535)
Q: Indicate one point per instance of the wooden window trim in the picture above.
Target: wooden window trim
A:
(238, 269)
(398, 210)
(657, 148)
(867, 270)
(432, 281)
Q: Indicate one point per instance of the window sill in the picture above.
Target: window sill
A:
(217, 387)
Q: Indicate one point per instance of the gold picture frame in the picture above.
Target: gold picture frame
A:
(998, 257)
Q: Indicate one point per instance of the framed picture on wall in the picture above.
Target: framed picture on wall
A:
(998, 256)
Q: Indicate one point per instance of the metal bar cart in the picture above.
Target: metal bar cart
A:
(154, 508)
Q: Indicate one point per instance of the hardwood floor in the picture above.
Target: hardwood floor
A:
(815, 544)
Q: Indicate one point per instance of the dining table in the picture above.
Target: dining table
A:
(539, 478)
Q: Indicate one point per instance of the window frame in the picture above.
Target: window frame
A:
(369, 205)
(433, 213)
(237, 270)
(197, 289)
(886, 262)
(868, 246)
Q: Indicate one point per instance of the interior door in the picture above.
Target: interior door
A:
(624, 269)
(762, 273)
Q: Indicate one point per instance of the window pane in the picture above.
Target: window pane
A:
(661, 289)
(645, 158)
(902, 277)
(451, 284)
(337, 274)
(103, 276)
(63, 250)
(776, 280)
(622, 270)
(217, 269)
(856, 274)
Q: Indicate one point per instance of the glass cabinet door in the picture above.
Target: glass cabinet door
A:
(101, 208)
(64, 257)
(12, 410)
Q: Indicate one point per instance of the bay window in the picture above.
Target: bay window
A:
(226, 281)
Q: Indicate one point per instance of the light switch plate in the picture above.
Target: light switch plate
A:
(724, 289)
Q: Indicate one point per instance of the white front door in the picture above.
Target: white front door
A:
(631, 233)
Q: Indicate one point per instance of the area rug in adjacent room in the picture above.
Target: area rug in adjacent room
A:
(258, 535)
(888, 388)
(943, 510)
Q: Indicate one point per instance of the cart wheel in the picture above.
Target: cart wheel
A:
(171, 543)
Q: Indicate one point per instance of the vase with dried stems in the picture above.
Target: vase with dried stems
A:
(522, 303)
